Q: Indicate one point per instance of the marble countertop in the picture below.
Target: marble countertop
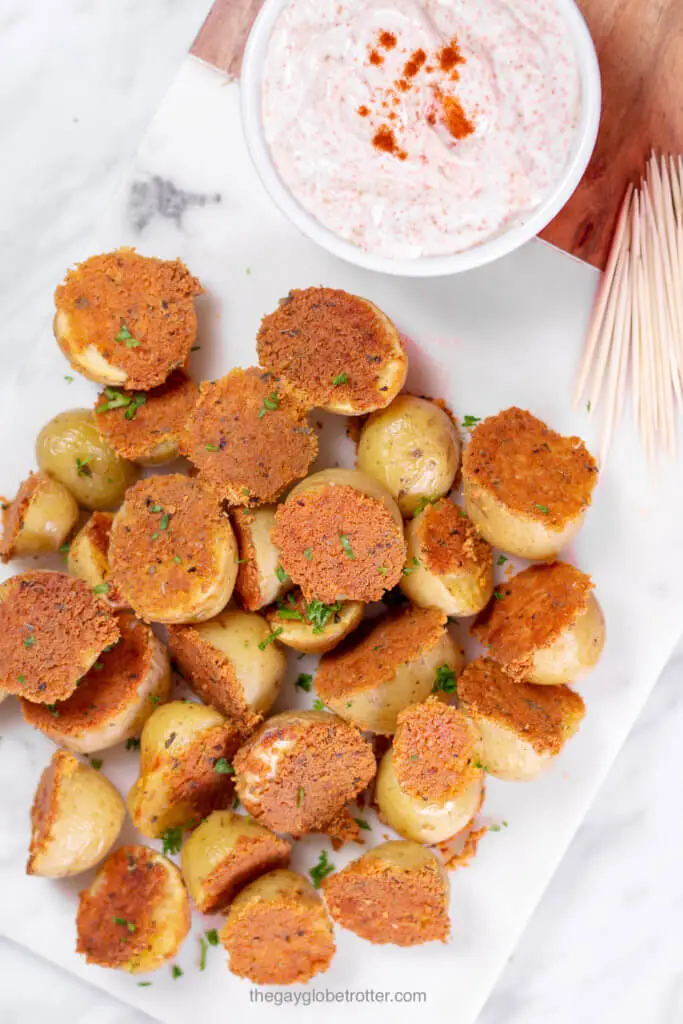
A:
(79, 80)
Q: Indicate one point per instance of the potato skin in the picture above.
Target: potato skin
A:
(413, 448)
(574, 653)
(76, 818)
(38, 521)
(100, 478)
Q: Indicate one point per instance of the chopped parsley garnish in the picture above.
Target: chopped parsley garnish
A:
(155, 508)
(300, 796)
(177, 559)
(321, 870)
(172, 839)
(68, 379)
(82, 467)
(444, 680)
(144, 984)
(176, 972)
(542, 508)
(308, 554)
(471, 421)
(29, 641)
(132, 743)
(212, 448)
(501, 560)
(341, 378)
(65, 548)
(165, 520)
(281, 574)
(411, 568)
(270, 403)
(318, 705)
(482, 767)
(125, 924)
(382, 570)
(155, 699)
(289, 613)
(235, 803)
(422, 504)
(362, 823)
(195, 348)
(96, 762)
(135, 404)
(212, 937)
(498, 594)
(21, 679)
(54, 711)
(497, 828)
(588, 405)
(125, 336)
(203, 950)
(101, 588)
(269, 639)
(318, 613)
(223, 767)
(303, 681)
(346, 545)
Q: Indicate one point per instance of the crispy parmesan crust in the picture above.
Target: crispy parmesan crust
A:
(247, 584)
(530, 468)
(251, 857)
(106, 690)
(192, 774)
(248, 451)
(531, 611)
(153, 299)
(395, 640)
(540, 715)
(309, 528)
(14, 513)
(450, 543)
(382, 902)
(160, 419)
(52, 630)
(435, 751)
(317, 334)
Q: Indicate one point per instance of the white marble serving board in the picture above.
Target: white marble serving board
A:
(508, 334)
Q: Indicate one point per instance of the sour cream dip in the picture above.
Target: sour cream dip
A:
(420, 127)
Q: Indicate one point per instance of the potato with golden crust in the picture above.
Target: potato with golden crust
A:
(413, 448)
(526, 488)
(313, 627)
(545, 625)
(277, 931)
(186, 753)
(226, 852)
(449, 565)
(397, 892)
(172, 551)
(300, 768)
(339, 350)
(135, 914)
(52, 631)
(147, 426)
(39, 519)
(249, 437)
(261, 580)
(71, 449)
(231, 663)
(430, 783)
(522, 726)
(392, 664)
(127, 320)
(88, 558)
(115, 698)
(340, 535)
(76, 818)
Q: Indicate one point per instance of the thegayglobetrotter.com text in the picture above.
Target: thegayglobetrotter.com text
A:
(319, 996)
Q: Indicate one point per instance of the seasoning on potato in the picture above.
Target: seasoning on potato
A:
(313, 627)
(39, 519)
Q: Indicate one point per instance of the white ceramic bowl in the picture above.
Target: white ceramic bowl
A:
(426, 266)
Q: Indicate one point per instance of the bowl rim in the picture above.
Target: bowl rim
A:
(426, 266)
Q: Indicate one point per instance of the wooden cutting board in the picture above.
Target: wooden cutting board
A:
(640, 48)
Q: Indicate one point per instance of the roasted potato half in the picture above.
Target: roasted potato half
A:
(545, 625)
(261, 580)
(393, 664)
(523, 727)
(313, 627)
(526, 488)
(225, 853)
(39, 519)
(397, 892)
(75, 820)
(186, 753)
(88, 558)
(413, 448)
(135, 914)
(231, 663)
(115, 698)
(449, 566)
(277, 931)
(71, 449)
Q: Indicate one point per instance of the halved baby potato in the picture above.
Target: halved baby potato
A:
(413, 448)
(277, 931)
(75, 820)
(231, 663)
(88, 558)
(545, 625)
(172, 551)
(449, 565)
(523, 727)
(300, 768)
(39, 519)
(313, 627)
(340, 351)
(340, 535)
(395, 663)
(225, 853)
(397, 892)
(526, 488)
(430, 783)
(186, 772)
(135, 914)
(115, 698)
(261, 580)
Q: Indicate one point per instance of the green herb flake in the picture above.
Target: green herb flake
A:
(135, 404)
(172, 840)
(362, 823)
(411, 568)
(235, 803)
(82, 467)
(53, 709)
(318, 705)
(68, 379)
(308, 554)
(21, 679)
(542, 508)
(479, 764)
(177, 559)
(203, 950)
(270, 638)
(212, 448)
(494, 828)
(444, 681)
(29, 641)
(270, 404)
(588, 405)
(96, 762)
(281, 574)
(132, 743)
(471, 421)
(300, 796)
(165, 520)
(498, 594)
(289, 613)
(422, 504)
(223, 767)
(303, 682)
(501, 560)
(341, 378)
(156, 700)
(346, 545)
(176, 972)
(124, 335)
(65, 548)
(212, 937)
(321, 870)
(318, 613)
(382, 570)
(144, 984)
(128, 925)
(101, 588)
